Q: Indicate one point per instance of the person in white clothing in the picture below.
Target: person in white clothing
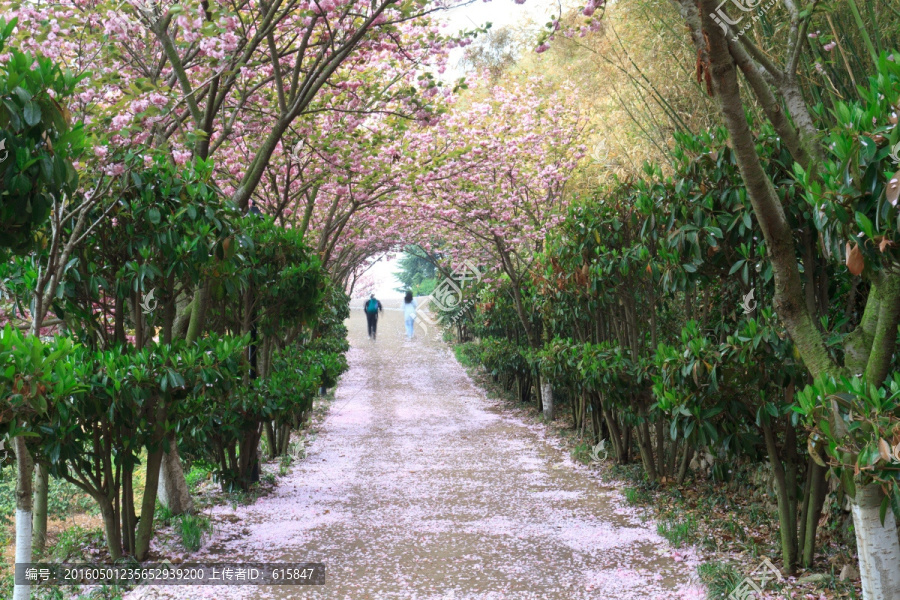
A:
(409, 313)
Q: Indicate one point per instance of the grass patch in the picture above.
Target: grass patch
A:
(637, 496)
(197, 475)
(74, 542)
(239, 497)
(679, 532)
(6, 584)
(162, 515)
(581, 452)
(719, 578)
(284, 464)
(191, 529)
(297, 449)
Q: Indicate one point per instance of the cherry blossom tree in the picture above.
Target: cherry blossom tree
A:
(497, 185)
(228, 81)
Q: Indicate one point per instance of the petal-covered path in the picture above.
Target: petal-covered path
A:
(417, 486)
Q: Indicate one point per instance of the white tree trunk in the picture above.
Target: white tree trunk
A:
(25, 469)
(173, 492)
(547, 399)
(23, 550)
(878, 546)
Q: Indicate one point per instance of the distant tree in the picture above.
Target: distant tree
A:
(417, 271)
(495, 53)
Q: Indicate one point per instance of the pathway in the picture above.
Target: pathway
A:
(418, 487)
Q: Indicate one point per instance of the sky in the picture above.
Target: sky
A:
(385, 282)
(499, 13)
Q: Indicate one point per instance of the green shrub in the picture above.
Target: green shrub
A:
(467, 353)
(197, 475)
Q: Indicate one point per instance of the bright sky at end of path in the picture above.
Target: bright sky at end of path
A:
(500, 13)
(385, 282)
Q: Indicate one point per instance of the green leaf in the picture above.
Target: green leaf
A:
(894, 495)
(847, 480)
(865, 225)
(32, 113)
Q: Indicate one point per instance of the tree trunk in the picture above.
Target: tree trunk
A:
(660, 448)
(270, 438)
(25, 468)
(646, 447)
(685, 462)
(815, 500)
(284, 440)
(248, 458)
(786, 519)
(128, 516)
(39, 520)
(615, 436)
(626, 442)
(173, 489)
(111, 526)
(526, 389)
(537, 392)
(547, 399)
(790, 301)
(148, 505)
(673, 457)
(878, 546)
(596, 426)
(576, 403)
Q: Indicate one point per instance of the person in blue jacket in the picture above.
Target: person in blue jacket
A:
(372, 308)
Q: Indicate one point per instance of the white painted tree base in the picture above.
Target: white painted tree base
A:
(23, 549)
(878, 546)
(547, 400)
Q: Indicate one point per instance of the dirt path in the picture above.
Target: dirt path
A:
(419, 487)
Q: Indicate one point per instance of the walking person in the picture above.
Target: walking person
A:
(372, 308)
(409, 313)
